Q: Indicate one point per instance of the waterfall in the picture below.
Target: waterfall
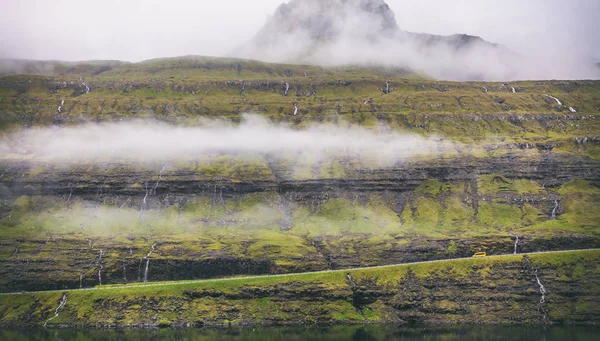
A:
(485, 89)
(387, 88)
(146, 271)
(62, 103)
(542, 289)
(305, 75)
(87, 88)
(287, 89)
(70, 194)
(556, 99)
(61, 305)
(516, 243)
(80, 281)
(350, 280)
(295, 109)
(100, 267)
(143, 206)
(554, 209)
(159, 178)
(147, 258)
(571, 109)
(513, 89)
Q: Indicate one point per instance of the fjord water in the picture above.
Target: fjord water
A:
(319, 333)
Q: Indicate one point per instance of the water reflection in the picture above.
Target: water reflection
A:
(318, 333)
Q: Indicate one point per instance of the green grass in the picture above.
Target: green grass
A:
(167, 304)
(183, 89)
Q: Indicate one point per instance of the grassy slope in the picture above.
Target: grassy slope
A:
(183, 90)
(250, 225)
(492, 290)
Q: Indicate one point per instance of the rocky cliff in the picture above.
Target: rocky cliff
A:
(494, 161)
(536, 289)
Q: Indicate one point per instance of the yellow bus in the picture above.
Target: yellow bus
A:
(479, 254)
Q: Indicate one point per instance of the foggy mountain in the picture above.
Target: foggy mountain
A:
(343, 32)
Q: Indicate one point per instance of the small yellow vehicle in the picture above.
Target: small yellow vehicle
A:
(480, 254)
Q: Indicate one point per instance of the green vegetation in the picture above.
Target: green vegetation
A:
(181, 90)
(376, 296)
(502, 165)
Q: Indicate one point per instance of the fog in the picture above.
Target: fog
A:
(152, 141)
(307, 31)
(555, 38)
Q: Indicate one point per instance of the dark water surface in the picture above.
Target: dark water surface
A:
(354, 333)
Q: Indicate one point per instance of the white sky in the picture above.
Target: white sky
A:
(136, 30)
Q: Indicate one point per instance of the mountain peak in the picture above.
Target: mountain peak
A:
(343, 32)
(328, 19)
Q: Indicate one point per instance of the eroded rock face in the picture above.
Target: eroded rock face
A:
(505, 291)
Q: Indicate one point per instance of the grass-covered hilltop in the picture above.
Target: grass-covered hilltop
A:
(191, 168)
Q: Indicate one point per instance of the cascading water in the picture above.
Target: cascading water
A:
(147, 258)
(295, 109)
(516, 244)
(62, 103)
(387, 89)
(144, 203)
(571, 109)
(349, 278)
(61, 305)
(287, 89)
(554, 209)
(100, 267)
(542, 289)
(513, 89)
(164, 167)
(556, 99)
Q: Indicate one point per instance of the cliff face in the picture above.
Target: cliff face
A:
(501, 161)
(536, 289)
(89, 225)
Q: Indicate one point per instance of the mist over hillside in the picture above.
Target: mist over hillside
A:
(365, 32)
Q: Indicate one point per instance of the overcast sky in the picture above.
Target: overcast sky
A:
(135, 30)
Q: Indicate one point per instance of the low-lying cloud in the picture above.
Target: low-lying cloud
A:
(151, 141)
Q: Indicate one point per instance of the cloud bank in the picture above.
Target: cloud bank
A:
(559, 36)
(151, 141)
(350, 32)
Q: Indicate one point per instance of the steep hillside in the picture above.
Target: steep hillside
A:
(431, 170)
(534, 289)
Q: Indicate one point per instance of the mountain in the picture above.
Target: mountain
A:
(56, 68)
(341, 32)
(151, 171)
